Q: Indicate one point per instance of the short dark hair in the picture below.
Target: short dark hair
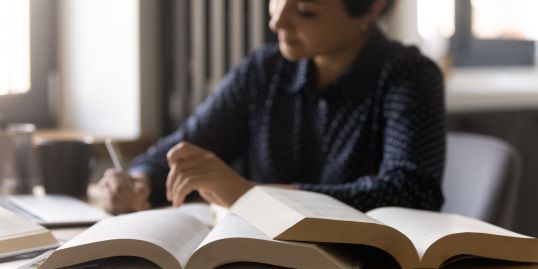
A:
(356, 8)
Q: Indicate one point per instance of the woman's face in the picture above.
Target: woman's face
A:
(310, 28)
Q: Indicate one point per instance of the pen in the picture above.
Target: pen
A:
(117, 160)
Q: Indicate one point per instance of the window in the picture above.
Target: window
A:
(14, 46)
(480, 32)
(502, 19)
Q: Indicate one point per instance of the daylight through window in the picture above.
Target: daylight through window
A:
(502, 19)
(14, 46)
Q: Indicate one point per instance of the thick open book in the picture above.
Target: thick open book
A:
(414, 238)
(19, 235)
(186, 238)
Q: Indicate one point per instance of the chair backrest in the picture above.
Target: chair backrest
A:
(481, 178)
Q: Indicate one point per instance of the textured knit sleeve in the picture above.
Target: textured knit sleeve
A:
(413, 144)
(219, 124)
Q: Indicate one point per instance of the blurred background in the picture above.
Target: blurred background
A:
(135, 69)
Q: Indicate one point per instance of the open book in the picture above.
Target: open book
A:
(183, 238)
(414, 238)
(19, 235)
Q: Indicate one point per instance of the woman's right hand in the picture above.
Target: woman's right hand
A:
(114, 194)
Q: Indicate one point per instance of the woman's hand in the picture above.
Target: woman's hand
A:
(113, 194)
(193, 168)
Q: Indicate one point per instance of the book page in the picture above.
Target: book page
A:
(202, 211)
(260, 205)
(173, 229)
(259, 208)
(235, 240)
(424, 228)
(316, 205)
(232, 226)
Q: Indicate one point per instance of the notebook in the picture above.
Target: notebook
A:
(53, 210)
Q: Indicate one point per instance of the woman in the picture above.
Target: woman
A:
(334, 108)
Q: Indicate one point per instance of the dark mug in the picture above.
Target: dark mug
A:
(65, 166)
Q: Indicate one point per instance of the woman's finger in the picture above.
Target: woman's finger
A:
(187, 186)
(110, 171)
(190, 163)
(202, 169)
(183, 150)
(182, 177)
(182, 190)
(117, 185)
(171, 180)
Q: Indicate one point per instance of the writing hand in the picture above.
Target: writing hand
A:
(116, 196)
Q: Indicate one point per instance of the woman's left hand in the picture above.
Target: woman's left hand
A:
(194, 168)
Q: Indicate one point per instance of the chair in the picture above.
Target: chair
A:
(481, 178)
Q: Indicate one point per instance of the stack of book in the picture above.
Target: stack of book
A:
(19, 236)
